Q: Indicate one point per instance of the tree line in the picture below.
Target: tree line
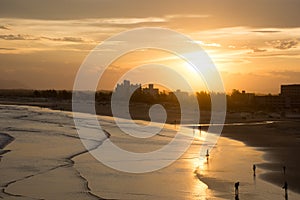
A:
(236, 100)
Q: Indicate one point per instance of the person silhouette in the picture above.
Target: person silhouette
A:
(285, 187)
(254, 169)
(236, 186)
(207, 153)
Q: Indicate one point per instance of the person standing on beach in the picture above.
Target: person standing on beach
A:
(207, 153)
(236, 186)
(285, 187)
(254, 169)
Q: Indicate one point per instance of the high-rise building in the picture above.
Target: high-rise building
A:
(291, 95)
(126, 89)
(290, 90)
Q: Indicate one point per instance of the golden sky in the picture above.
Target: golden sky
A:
(254, 44)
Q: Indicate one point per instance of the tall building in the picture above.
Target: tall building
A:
(291, 96)
(126, 89)
(290, 90)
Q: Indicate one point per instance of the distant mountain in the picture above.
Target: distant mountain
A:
(12, 84)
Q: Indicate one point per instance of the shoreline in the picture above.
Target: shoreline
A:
(12, 185)
(221, 174)
(279, 143)
(277, 152)
(44, 131)
(5, 139)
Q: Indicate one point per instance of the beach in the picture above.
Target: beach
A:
(47, 160)
(280, 142)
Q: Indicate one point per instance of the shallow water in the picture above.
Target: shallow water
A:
(48, 161)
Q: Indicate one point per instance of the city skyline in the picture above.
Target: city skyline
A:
(134, 86)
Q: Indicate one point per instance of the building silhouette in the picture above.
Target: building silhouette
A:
(290, 90)
(125, 89)
(151, 90)
(291, 96)
(287, 100)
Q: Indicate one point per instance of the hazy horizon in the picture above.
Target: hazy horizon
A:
(161, 89)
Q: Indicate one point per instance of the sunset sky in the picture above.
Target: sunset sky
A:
(254, 44)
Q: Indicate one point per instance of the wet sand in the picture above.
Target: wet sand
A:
(39, 164)
(48, 161)
(232, 161)
(5, 139)
(47, 153)
(281, 142)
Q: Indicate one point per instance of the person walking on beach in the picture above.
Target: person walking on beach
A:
(207, 153)
(285, 187)
(254, 169)
(236, 186)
